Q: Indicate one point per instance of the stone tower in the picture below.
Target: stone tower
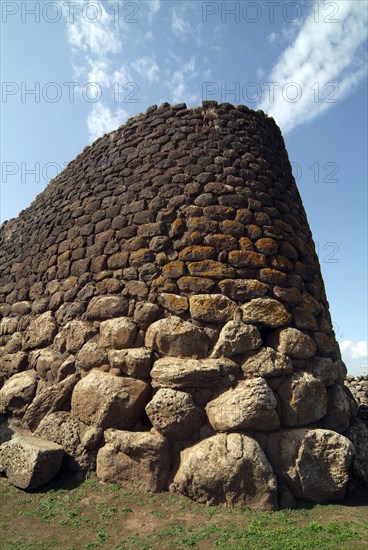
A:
(164, 318)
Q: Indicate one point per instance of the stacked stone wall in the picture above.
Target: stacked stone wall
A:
(162, 299)
(358, 385)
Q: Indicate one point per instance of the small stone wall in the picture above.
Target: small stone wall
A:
(359, 388)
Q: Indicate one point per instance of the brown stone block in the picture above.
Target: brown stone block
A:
(161, 284)
(281, 263)
(253, 231)
(79, 267)
(304, 319)
(273, 276)
(202, 224)
(98, 264)
(219, 213)
(174, 270)
(243, 289)
(63, 257)
(141, 257)
(221, 241)
(188, 239)
(104, 237)
(211, 269)
(151, 229)
(118, 260)
(290, 296)
(267, 246)
(195, 285)
(173, 302)
(197, 253)
(245, 258)
(109, 286)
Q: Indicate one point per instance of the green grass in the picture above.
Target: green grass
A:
(91, 515)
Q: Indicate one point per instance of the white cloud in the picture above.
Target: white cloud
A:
(147, 67)
(179, 25)
(321, 53)
(148, 37)
(154, 5)
(99, 37)
(272, 37)
(186, 23)
(101, 120)
(360, 350)
(178, 82)
(94, 47)
(354, 350)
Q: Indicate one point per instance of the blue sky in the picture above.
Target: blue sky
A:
(72, 71)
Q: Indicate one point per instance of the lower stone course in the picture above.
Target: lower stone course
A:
(232, 415)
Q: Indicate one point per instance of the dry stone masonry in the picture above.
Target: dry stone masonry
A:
(164, 321)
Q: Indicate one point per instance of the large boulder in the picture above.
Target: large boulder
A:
(267, 363)
(8, 325)
(65, 430)
(175, 337)
(12, 363)
(303, 399)
(357, 433)
(135, 362)
(30, 462)
(18, 392)
(228, 469)
(75, 334)
(91, 356)
(250, 405)
(338, 409)
(46, 362)
(212, 308)
(177, 373)
(40, 332)
(240, 290)
(138, 461)
(50, 399)
(237, 338)
(107, 401)
(313, 463)
(327, 370)
(118, 333)
(293, 343)
(265, 311)
(107, 307)
(174, 414)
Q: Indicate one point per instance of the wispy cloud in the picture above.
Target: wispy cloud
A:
(180, 26)
(94, 48)
(154, 5)
(97, 38)
(324, 57)
(186, 23)
(272, 37)
(102, 120)
(147, 67)
(178, 81)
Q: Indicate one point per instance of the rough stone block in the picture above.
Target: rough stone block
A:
(30, 462)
